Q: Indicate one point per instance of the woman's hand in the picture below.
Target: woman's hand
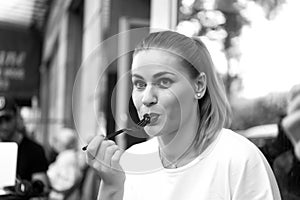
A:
(104, 156)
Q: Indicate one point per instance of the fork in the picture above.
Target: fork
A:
(146, 120)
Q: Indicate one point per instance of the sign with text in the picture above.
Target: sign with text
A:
(20, 52)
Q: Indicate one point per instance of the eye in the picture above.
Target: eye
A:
(138, 84)
(164, 82)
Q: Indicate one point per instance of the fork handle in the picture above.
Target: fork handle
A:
(111, 135)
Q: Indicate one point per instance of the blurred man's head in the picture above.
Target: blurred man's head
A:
(8, 119)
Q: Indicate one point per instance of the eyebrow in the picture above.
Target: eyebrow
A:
(154, 76)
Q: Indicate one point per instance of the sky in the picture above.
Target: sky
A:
(270, 52)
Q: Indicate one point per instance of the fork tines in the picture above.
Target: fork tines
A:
(144, 121)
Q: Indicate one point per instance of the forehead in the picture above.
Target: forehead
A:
(158, 60)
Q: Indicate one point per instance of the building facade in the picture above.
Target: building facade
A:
(86, 51)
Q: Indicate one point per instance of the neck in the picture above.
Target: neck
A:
(173, 146)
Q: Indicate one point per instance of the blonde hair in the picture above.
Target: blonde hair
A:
(214, 107)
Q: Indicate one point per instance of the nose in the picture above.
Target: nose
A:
(149, 96)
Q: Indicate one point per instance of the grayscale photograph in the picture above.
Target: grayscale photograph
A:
(149, 100)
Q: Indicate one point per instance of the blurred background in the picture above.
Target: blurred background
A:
(63, 60)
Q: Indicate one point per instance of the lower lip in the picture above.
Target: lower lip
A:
(154, 120)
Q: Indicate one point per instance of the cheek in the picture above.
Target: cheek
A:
(180, 102)
(136, 99)
(171, 104)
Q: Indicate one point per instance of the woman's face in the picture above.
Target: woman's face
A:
(162, 88)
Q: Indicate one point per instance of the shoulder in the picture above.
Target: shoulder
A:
(30, 144)
(243, 160)
(29, 141)
(34, 154)
(30, 147)
(237, 148)
(233, 141)
(241, 157)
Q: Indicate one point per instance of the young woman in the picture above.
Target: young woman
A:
(191, 155)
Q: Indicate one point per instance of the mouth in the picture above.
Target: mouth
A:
(153, 118)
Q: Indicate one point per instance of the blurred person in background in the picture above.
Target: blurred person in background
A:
(31, 162)
(283, 153)
(67, 168)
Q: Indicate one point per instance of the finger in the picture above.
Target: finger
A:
(105, 144)
(109, 153)
(115, 159)
(94, 146)
(105, 163)
(96, 164)
(89, 158)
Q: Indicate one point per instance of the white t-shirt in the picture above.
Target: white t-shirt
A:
(230, 168)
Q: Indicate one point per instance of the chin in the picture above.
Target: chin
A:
(153, 131)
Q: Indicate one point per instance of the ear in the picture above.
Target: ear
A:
(200, 84)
